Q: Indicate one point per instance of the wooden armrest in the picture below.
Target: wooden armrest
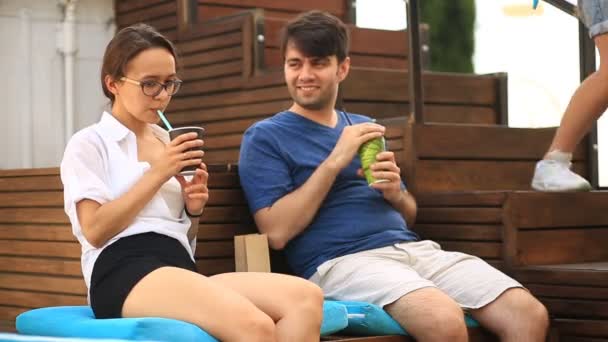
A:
(251, 253)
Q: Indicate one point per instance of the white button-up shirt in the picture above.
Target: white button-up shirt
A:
(100, 163)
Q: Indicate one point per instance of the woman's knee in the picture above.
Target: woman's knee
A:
(308, 299)
(254, 326)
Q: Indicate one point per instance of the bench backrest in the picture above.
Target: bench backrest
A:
(40, 258)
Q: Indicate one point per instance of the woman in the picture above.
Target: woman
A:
(137, 218)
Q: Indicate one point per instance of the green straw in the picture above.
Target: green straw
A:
(162, 117)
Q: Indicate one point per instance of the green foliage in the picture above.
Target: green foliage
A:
(452, 33)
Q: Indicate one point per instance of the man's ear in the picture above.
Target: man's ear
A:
(111, 84)
(343, 69)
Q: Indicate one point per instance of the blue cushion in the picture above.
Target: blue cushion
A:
(79, 321)
(365, 319)
(6, 337)
(334, 317)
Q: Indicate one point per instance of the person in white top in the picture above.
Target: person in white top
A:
(137, 218)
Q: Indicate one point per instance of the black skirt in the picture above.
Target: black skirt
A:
(125, 262)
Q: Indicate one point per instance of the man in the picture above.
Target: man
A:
(303, 182)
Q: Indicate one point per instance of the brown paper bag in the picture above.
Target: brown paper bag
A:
(251, 253)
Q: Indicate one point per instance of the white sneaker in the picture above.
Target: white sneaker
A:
(554, 174)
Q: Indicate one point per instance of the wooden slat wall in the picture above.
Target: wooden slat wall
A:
(465, 222)
(451, 157)
(208, 9)
(40, 258)
(161, 14)
(368, 47)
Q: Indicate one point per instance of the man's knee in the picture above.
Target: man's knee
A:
(445, 325)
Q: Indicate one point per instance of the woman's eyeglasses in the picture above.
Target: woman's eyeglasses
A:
(153, 88)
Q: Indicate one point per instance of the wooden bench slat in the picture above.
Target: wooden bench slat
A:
(44, 266)
(224, 69)
(30, 183)
(459, 215)
(211, 57)
(43, 283)
(37, 300)
(459, 232)
(33, 215)
(41, 248)
(224, 40)
(36, 232)
(147, 13)
(32, 199)
(556, 246)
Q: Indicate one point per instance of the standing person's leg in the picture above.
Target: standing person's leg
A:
(586, 105)
(222, 310)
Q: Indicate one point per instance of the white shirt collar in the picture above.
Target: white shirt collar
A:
(112, 129)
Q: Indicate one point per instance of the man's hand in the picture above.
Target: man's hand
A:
(385, 168)
(352, 137)
(195, 192)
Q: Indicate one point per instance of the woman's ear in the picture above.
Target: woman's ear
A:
(111, 84)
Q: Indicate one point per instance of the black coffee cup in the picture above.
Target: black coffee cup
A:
(175, 132)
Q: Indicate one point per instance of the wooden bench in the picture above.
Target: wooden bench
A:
(39, 257)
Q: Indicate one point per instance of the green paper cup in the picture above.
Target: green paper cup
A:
(367, 153)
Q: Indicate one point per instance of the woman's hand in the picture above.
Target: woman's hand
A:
(176, 155)
(195, 191)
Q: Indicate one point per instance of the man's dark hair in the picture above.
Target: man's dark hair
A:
(316, 34)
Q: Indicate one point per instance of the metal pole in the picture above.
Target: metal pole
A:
(415, 66)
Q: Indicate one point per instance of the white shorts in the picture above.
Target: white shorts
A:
(383, 275)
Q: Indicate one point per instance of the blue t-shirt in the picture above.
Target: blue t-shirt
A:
(280, 153)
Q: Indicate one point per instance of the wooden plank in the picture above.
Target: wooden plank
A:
(432, 113)
(40, 248)
(468, 175)
(147, 13)
(31, 199)
(459, 215)
(570, 308)
(560, 246)
(214, 249)
(43, 283)
(38, 300)
(559, 291)
(214, 85)
(537, 209)
(370, 84)
(54, 171)
(335, 7)
(222, 231)
(586, 327)
(460, 199)
(490, 250)
(224, 40)
(210, 267)
(31, 183)
(36, 232)
(33, 215)
(48, 266)
(131, 5)
(366, 61)
(223, 141)
(483, 142)
(232, 68)
(459, 232)
(229, 114)
(227, 197)
(252, 96)
(163, 24)
(226, 215)
(223, 155)
(211, 57)
(8, 313)
(564, 275)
